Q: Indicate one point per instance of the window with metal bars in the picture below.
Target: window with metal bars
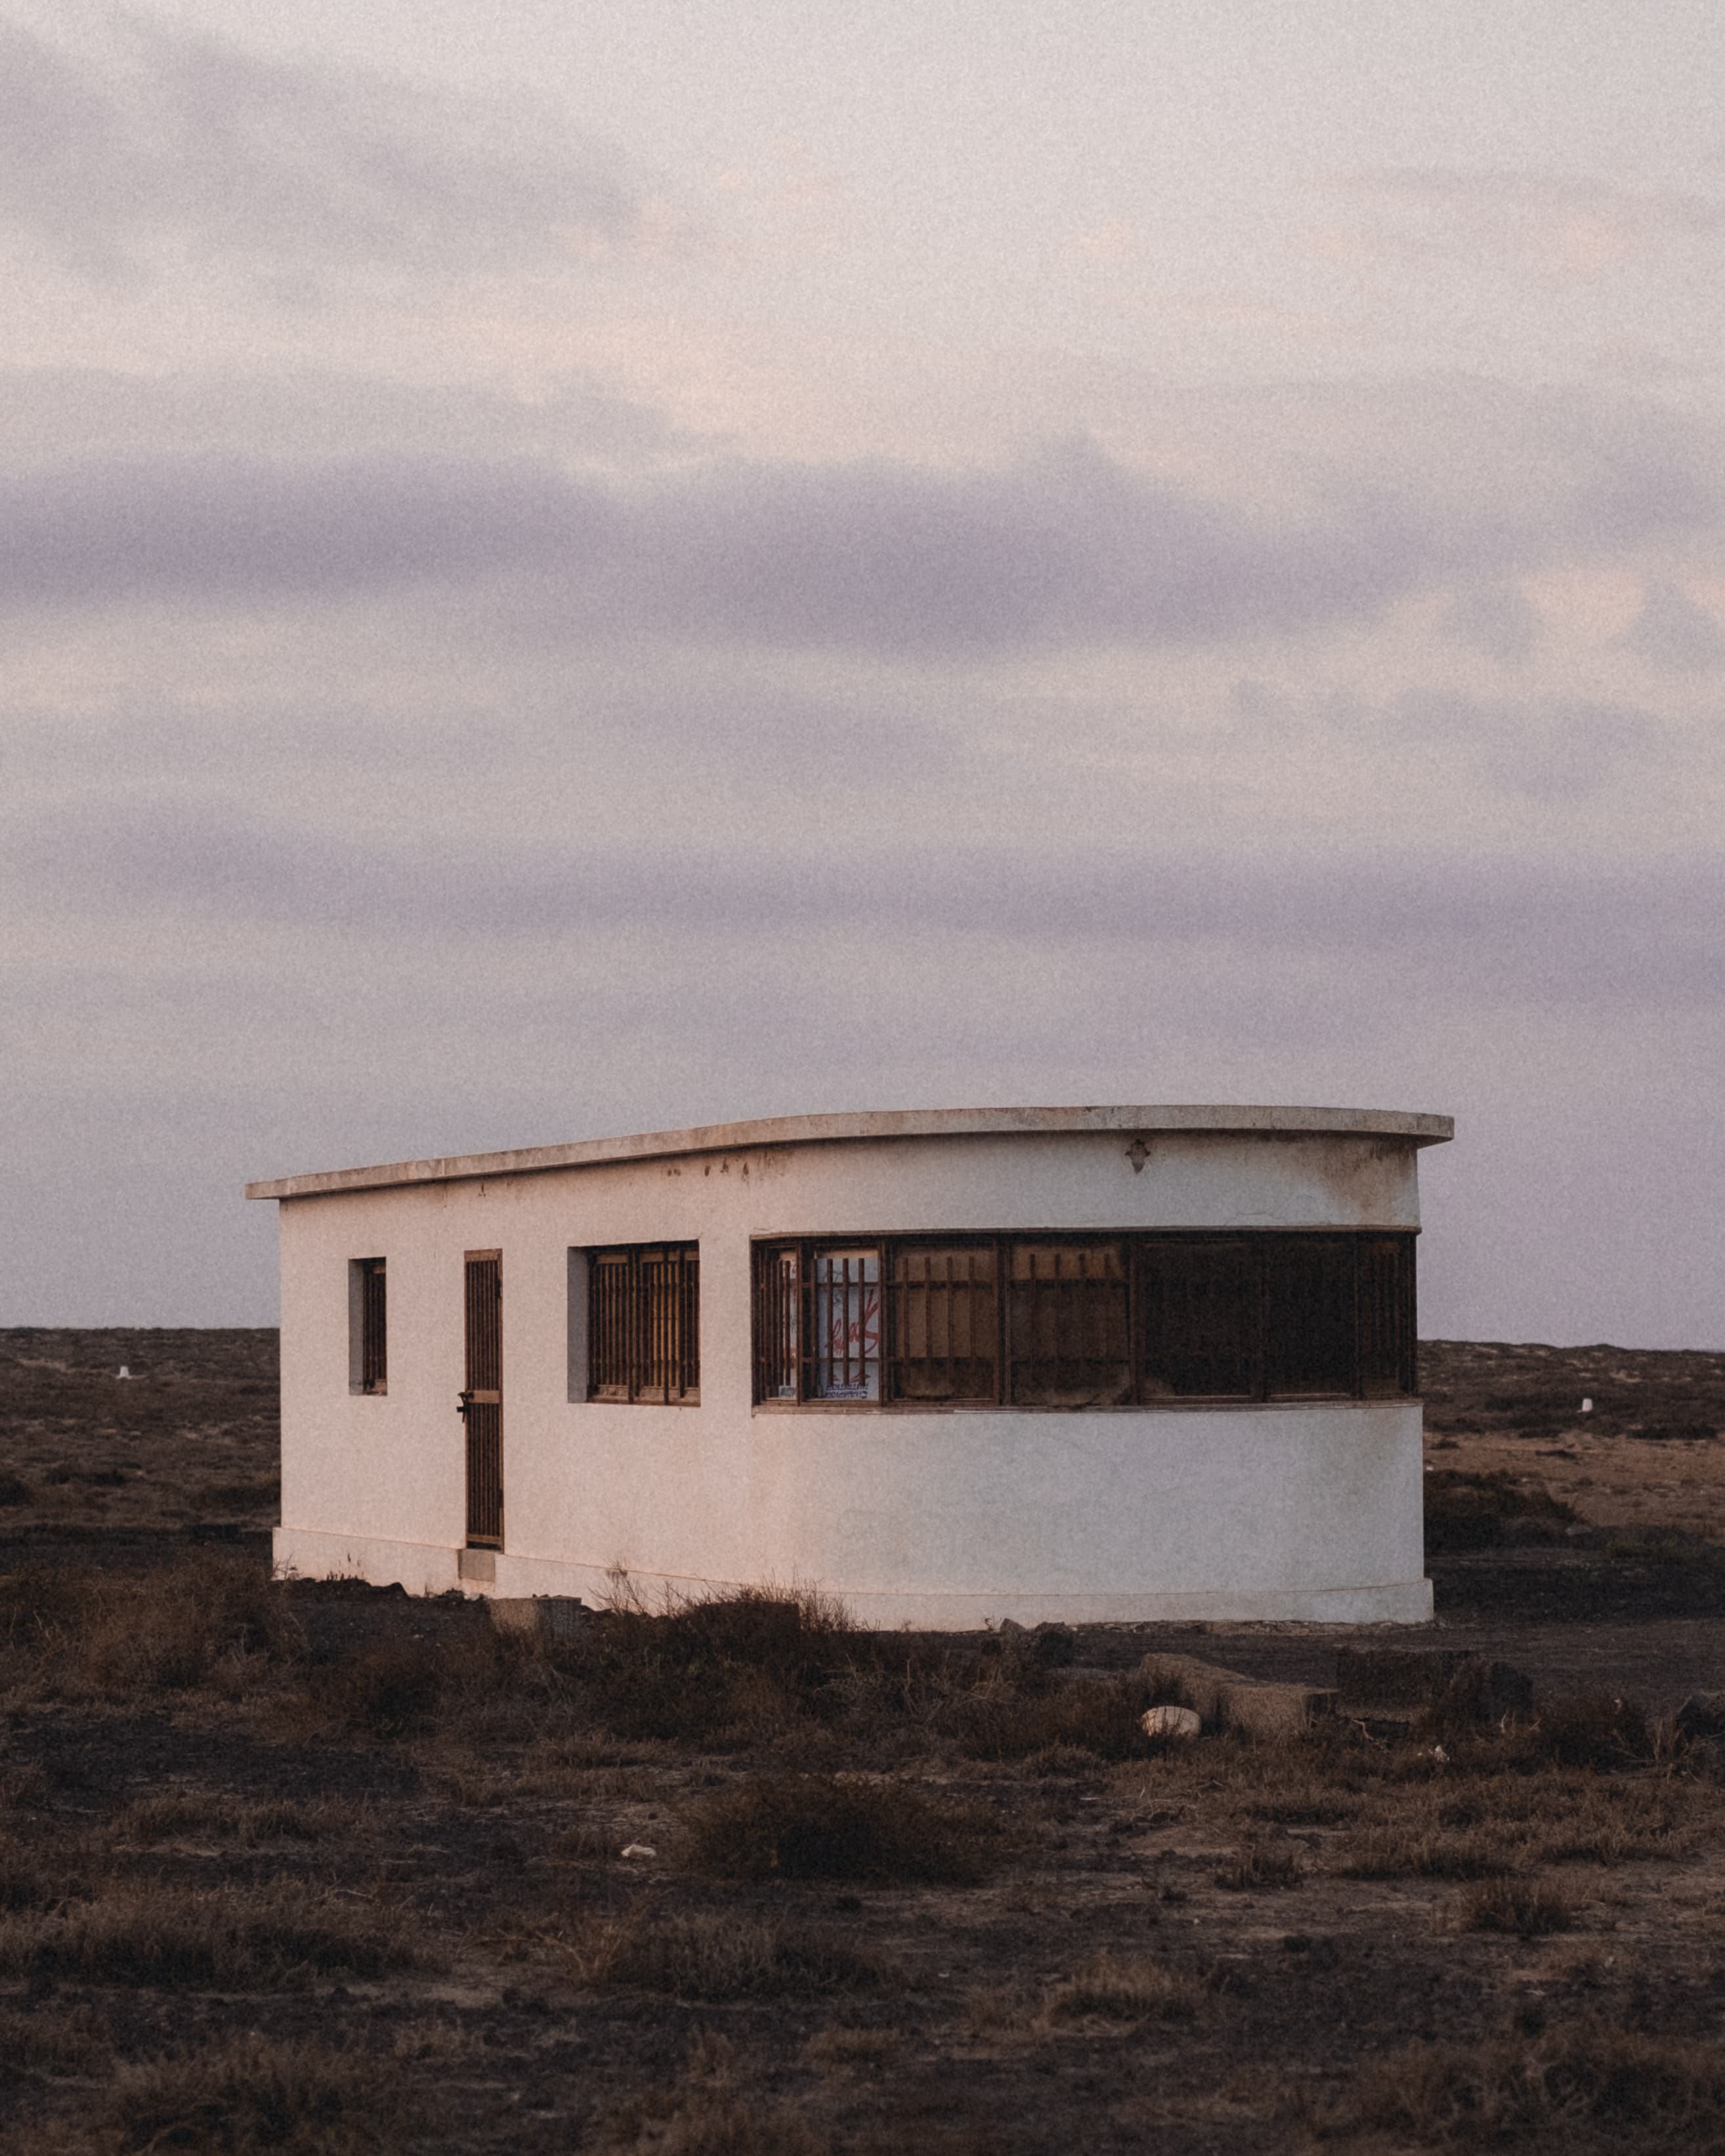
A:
(1073, 1321)
(644, 1323)
(367, 1327)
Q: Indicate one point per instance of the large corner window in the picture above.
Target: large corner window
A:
(367, 1326)
(643, 1311)
(1084, 1320)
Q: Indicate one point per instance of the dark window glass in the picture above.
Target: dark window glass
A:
(1066, 1319)
(373, 1326)
(1083, 1320)
(1386, 1315)
(1308, 1315)
(644, 1323)
(1201, 1305)
(945, 1323)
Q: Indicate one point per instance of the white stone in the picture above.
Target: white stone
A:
(1183, 1722)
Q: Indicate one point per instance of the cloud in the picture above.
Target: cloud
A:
(1061, 548)
(1674, 632)
(1594, 932)
(1561, 225)
(164, 142)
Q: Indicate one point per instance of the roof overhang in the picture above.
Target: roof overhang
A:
(1414, 1130)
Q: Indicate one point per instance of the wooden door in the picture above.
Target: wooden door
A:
(482, 1402)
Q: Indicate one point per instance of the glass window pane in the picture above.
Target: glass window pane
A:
(945, 1323)
(1200, 1302)
(1308, 1315)
(779, 1323)
(847, 1326)
(1067, 1321)
(1386, 1315)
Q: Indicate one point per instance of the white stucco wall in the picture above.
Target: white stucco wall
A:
(954, 1518)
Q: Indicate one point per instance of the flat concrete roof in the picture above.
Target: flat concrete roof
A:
(872, 1123)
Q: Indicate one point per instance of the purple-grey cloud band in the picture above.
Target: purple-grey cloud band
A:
(1065, 547)
(1581, 933)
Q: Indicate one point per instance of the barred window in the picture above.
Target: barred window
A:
(1068, 1322)
(367, 1327)
(1085, 1321)
(944, 1322)
(644, 1323)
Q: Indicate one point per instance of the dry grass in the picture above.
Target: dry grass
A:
(1528, 1908)
(249, 2095)
(241, 1938)
(744, 1663)
(1261, 1868)
(705, 2114)
(821, 1826)
(709, 1954)
(1472, 1512)
(393, 1689)
(1021, 1712)
(205, 1619)
(68, 2040)
(1586, 2087)
(1415, 1851)
(1133, 1989)
(213, 1815)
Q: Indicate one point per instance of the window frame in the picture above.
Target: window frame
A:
(368, 1327)
(645, 1335)
(790, 1260)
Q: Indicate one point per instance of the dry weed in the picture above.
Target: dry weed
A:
(190, 1815)
(818, 1826)
(1528, 1908)
(203, 1619)
(240, 1938)
(1261, 1867)
(710, 1954)
(249, 2095)
(1136, 1989)
(706, 2115)
(1586, 2087)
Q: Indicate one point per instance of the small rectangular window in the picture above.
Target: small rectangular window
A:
(644, 1323)
(367, 1327)
(1068, 1325)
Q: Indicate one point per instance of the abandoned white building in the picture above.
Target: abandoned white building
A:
(1073, 1363)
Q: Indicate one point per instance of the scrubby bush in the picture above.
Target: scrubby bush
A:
(1584, 2086)
(392, 1689)
(820, 1826)
(748, 1658)
(1472, 1512)
(1591, 1729)
(204, 1617)
(239, 1939)
(711, 1954)
(1135, 1989)
(249, 2095)
(1526, 1908)
(1020, 1712)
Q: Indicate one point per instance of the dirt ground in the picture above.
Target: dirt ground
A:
(320, 1868)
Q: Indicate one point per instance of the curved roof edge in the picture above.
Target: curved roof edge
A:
(868, 1123)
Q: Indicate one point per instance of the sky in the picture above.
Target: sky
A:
(566, 570)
